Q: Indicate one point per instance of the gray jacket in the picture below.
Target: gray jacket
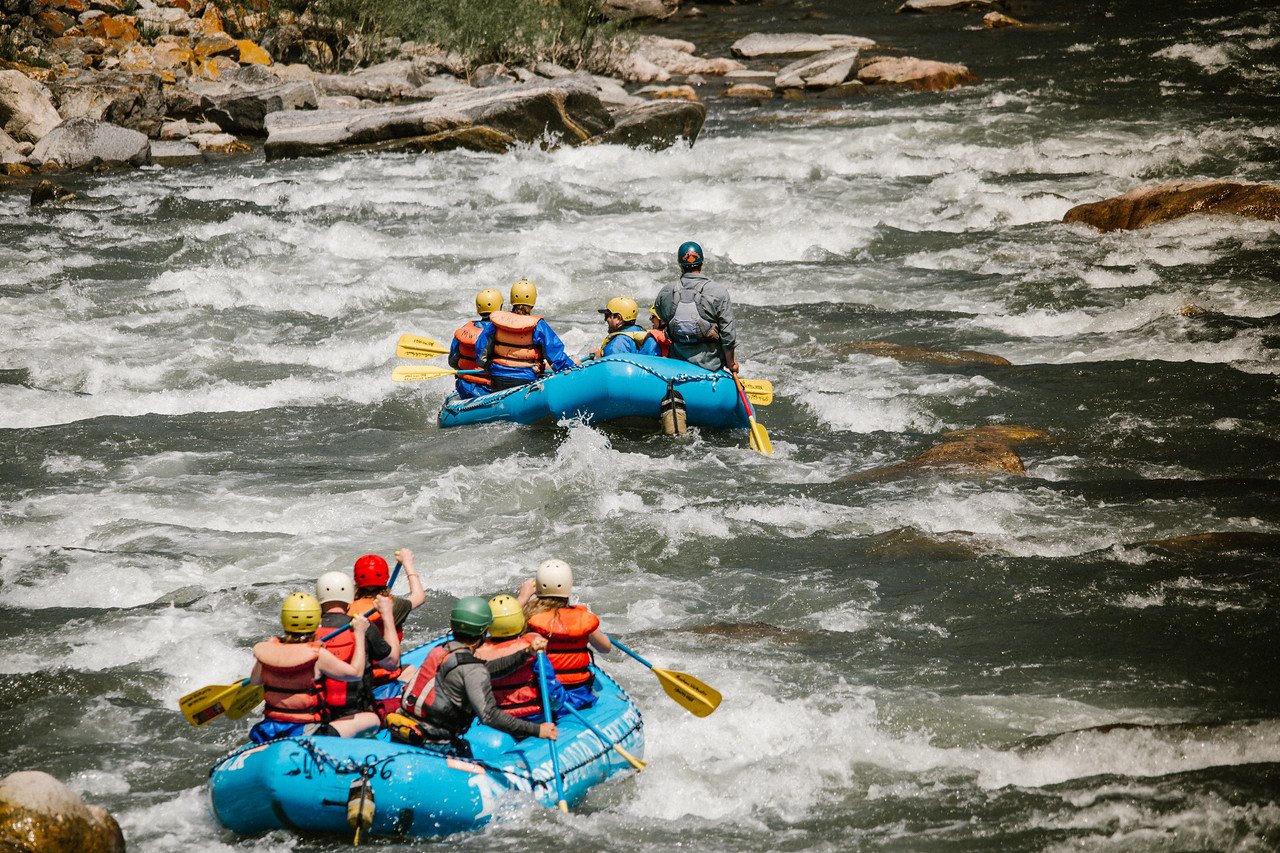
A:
(468, 690)
(714, 306)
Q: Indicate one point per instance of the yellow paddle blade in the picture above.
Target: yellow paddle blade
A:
(207, 703)
(631, 759)
(697, 698)
(760, 442)
(759, 391)
(249, 697)
(416, 346)
(405, 373)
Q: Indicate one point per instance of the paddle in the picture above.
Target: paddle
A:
(405, 373)
(631, 759)
(759, 391)
(236, 700)
(697, 698)
(416, 346)
(760, 442)
(546, 715)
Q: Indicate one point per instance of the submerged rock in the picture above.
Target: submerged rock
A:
(1161, 202)
(656, 124)
(1218, 542)
(48, 192)
(26, 108)
(996, 21)
(920, 354)
(748, 90)
(568, 109)
(39, 813)
(973, 452)
(909, 542)
(80, 142)
(925, 75)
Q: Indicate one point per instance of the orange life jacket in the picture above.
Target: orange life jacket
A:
(342, 697)
(513, 344)
(567, 630)
(358, 608)
(664, 343)
(289, 681)
(517, 691)
(466, 337)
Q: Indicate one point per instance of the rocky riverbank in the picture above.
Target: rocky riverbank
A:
(101, 83)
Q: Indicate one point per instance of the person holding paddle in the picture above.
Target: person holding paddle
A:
(518, 342)
(462, 350)
(516, 692)
(572, 631)
(291, 669)
(371, 576)
(336, 592)
(698, 315)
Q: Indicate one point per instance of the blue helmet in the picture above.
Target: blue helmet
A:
(689, 255)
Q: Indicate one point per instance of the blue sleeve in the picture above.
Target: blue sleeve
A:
(555, 690)
(650, 347)
(482, 344)
(453, 352)
(552, 346)
(620, 345)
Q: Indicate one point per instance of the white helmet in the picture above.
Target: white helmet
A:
(554, 578)
(335, 586)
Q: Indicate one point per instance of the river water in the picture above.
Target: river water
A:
(197, 420)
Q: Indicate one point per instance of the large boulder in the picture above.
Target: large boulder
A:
(26, 107)
(925, 75)
(133, 100)
(782, 44)
(676, 56)
(656, 124)
(632, 10)
(244, 109)
(568, 109)
(387, 81)
(818, 72)
(83, 141)
(1160, 202)
(38, 813)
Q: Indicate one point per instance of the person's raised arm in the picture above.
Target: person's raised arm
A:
(599, 641)
(526, 591)
(417, 595)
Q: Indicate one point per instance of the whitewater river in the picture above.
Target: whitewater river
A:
(197, 419)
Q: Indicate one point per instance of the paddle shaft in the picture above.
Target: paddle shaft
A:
(546, 715)
(630, 653)
(631, 759)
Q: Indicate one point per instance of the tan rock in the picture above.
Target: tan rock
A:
(1161, 202)
(920, 354)
(252, 54)
(26, 107)
(217, 44)
(39, 813)
(218, 143)
(996, 21)
(71, 7)
(1007, 433)
(672, 92)
(54, 21)
(977, 457)
(117, 31)
(748, 90)
(17, 170)
(211, 22)
(924, 75)
(909, 542)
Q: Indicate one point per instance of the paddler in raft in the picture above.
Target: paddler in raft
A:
(336, 592)
(517, 691)
(625, 334)
(658, 333)
(371, 576)
(462, 351)
(292, 668)
(572, 631)
(698, 315)
(451, 689)
(518, 342)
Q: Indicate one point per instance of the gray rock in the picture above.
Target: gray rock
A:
(441, 84)
(946, 5)
(551, 70)
(243, 110)
(175, 153)
(782, 44)
(83, 141)
(493, 74)
(614, 94)
(750, 75)
(819, 72)
(568, 109)
(9, 147)
(748, 90)
(655, 124)
(338, 102)
(387, 81)
(124, 98)
(179, 129)
(26, 107)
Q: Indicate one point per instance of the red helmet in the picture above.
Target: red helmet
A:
(371, 570)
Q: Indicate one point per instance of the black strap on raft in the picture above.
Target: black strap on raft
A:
(671, 412)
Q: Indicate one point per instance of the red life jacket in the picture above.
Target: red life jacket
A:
(289, 681)
(513, 344)
(567, 630)
(517, 691)
(466, 337)
(358, 608)
(342, 697)
(664, 343)
(424, 700)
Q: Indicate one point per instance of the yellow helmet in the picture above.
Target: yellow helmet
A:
(488, 301)
(300, 613)
(508, 617)
(523, 292)
(624, 306)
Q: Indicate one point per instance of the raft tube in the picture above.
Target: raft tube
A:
(605, 389)
(302, 784)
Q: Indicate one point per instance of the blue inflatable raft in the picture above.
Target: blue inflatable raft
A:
(606, 389)
(303, 783)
